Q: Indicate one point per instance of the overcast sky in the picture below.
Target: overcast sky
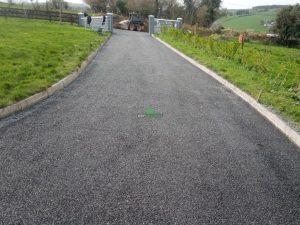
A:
(229, 4)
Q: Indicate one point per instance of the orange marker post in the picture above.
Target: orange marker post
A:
(242, 39)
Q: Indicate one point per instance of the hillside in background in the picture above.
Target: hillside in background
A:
(257, 19)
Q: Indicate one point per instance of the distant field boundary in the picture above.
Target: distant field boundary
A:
(39, 14)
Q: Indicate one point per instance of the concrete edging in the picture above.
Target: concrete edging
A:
(26, 103)
(293, 135)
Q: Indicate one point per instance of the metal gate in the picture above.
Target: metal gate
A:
(155, 24)
(97, 22)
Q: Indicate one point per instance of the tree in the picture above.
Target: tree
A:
(296, 15)
(191, 7)
(10, 2)
(58, 4)
(97, 5)
(121, 5)
(145, 7)
(201, 16)
(156, 8)
(288, 23)
(212, 10)
(172, 9)
(223, 12)
(35, 5)
(242, 12)
(169, 6)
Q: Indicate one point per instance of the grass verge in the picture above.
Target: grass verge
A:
(35, 54)
(270, 72)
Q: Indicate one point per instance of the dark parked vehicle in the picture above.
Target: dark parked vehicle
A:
(136, 22)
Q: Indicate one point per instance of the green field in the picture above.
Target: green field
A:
(270, 73)
(248, 23)
(35, 54)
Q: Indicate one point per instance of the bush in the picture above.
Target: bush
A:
(288, 24)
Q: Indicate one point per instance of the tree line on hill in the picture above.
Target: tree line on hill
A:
(201, 12)
(268, 7)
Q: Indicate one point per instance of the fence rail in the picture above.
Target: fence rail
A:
(39, 14)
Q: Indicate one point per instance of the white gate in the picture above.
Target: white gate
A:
(156, 24)
(97, 22)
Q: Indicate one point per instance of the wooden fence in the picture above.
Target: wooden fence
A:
(39, 14)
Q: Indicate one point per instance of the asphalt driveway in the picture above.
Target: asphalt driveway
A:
(90, 155)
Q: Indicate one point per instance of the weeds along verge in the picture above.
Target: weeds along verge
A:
(252, 59)
(269, 73)
(259, 60)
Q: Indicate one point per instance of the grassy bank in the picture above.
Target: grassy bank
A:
(35, 54)
(270, 70)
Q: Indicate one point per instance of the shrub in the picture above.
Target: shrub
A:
(288, 23)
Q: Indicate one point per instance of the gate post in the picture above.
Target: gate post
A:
(80, 21)
(109, 17)
(151, 24)
(178, 23)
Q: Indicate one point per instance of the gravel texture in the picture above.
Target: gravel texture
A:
(83, 156)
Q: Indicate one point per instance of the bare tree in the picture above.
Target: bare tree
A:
(10, 2)
(35, 4)
(101, 5)
(191, 7)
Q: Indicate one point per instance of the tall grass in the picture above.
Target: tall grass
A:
(252, 59)
(270, 72)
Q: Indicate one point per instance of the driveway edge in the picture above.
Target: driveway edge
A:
(293, 135)
(26, 103)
